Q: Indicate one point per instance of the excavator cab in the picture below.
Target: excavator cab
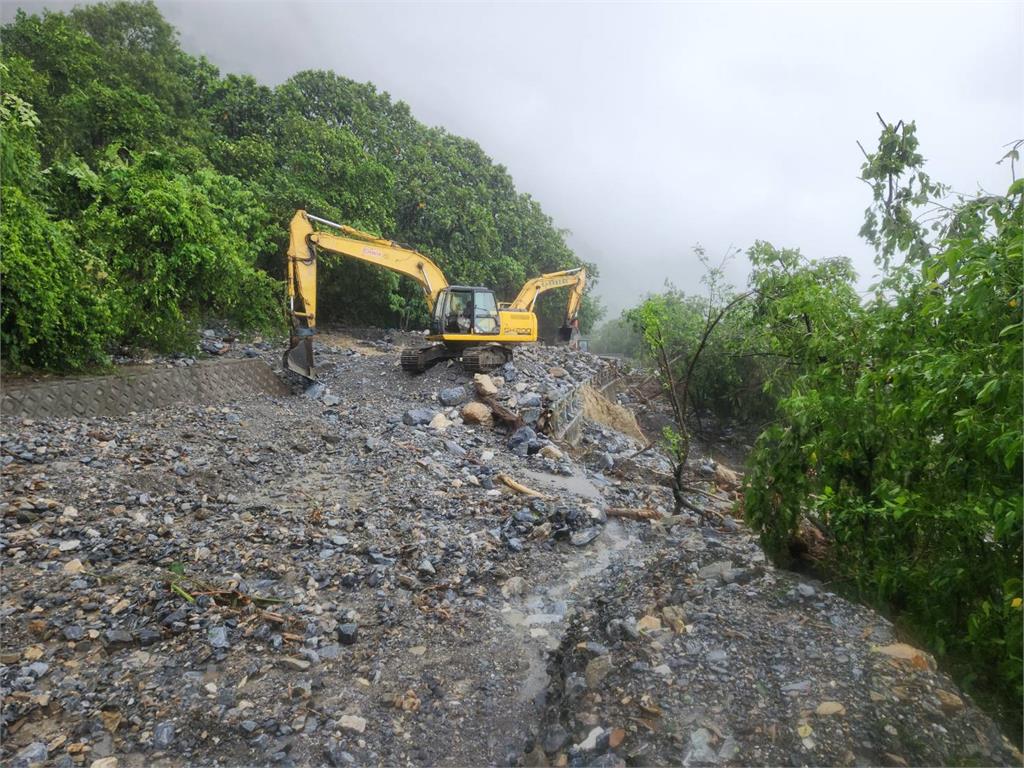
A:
(461, 310)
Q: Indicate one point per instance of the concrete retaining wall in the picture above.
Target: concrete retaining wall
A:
(139, 390)
(567, 412)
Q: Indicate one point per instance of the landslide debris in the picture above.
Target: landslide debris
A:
(285, 580)
(357, 575)
(705, 655)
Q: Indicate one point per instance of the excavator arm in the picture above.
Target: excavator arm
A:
(305, 240)
(575, 279)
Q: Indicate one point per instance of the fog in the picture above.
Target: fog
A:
(644, 129)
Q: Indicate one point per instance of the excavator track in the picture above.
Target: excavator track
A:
(485, 358)
(417, 360)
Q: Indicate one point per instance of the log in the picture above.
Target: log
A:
(503, 414)
(517, 486)
(639, 513)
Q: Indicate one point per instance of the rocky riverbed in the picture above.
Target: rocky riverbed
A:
(367, 573)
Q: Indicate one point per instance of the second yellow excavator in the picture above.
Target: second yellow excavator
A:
(466, 321)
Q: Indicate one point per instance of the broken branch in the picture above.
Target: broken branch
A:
(517, 486)
(640, 513)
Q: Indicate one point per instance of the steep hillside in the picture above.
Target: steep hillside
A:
(145, 189)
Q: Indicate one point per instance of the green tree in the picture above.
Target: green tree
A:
(899, 432)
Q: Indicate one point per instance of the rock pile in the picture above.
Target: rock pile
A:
(370, 575)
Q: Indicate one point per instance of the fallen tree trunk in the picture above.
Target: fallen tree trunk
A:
(503, 414)
(639, 513)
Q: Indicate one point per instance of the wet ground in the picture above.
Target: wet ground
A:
(334, 578)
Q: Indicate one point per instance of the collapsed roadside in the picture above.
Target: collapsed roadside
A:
(365, 575)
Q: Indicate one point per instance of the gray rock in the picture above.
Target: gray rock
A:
(348, 633)
(330, 400)
(805, 590)
(330, 651)
(163, 735)
(218, 637)
(418, 416)
(315, 390)
(337, 756)
(34, 754)
(584, 537)
(715, 570)
(148, 636)
(454, 448)
(530, 415)
(524, 516)
(530, 400)
(622, 629)
(555, 738)
(700, 748)
(521, 438)
(118, 637)
(452, 396)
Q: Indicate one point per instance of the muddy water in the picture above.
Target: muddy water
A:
(577, 483)
(540, 616)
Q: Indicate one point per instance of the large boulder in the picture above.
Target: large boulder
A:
(451, 396)
(485, 385)
(476, 413)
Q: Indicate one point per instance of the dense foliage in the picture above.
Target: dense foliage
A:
(730, 364)
(143, 190)
(898, 419)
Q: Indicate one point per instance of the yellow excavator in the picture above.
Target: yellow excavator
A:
(575, 279)
(466, 321)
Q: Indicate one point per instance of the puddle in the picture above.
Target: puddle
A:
(540, 616)
(577, 483)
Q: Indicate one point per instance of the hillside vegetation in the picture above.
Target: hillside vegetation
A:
(144, 190)
(894, 425)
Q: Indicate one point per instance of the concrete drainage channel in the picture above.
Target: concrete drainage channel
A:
(140, 390)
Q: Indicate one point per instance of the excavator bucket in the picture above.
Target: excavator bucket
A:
(299, 357)
(565, 334)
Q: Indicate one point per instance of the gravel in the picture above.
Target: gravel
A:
(331, 579)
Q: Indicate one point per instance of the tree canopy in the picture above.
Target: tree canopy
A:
(144, 189)
(894, 421)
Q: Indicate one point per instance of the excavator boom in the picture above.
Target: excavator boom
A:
(576, 279)
(304, 240)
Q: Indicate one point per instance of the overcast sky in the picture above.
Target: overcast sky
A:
(646, 128)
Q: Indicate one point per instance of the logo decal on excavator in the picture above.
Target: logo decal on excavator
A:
(372, 252)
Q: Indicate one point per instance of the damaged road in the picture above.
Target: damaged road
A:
(373, 572)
